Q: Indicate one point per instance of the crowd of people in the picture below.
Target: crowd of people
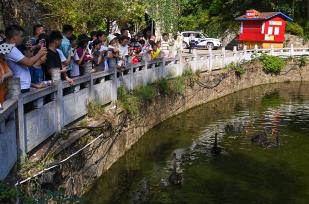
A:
(37, 60)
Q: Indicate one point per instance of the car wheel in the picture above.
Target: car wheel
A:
(210, 45)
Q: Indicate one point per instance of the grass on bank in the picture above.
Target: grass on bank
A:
(132, 100)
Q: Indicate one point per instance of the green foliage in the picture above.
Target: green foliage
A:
(84, 122)
(95, 109)
(272, 64)
(216, 16)
(88, 15)
(188, 73)
(128, 101)
(237, 68)
(7, 194)
(145, 93)
(303, 61)
(163, 86)
(294, 29)
(177, 85)
(131, 101)
(165, 12)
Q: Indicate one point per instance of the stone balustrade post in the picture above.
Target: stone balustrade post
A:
(14, 91)
(145, 72)
(245, 52)
(114, 86)
(272, 50)
(210, 59)
(194, 63)
(58, 97)
(224, 57)
(292, 50)
(131, 86)
(235, 54)
(163, 68)
(13, 88)
(91, 87)
(256, 48)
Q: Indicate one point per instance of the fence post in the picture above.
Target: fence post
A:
(14, 91)
(163, 68)
(224, 57)
(145, 72)
(180, 65)
(210, 59)
(194, 63)
(256, 48)
(235, 54)
(114, 86)
(271, 50)
(22, 137)
(56, 76)
(292, 50)
(91, 88)
(131, 77)
(245, 52)
(60, 108)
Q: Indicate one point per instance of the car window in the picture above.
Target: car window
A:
(185, 34)
(198, 35)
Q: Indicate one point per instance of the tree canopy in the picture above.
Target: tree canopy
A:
(215, 16)
(210, 16)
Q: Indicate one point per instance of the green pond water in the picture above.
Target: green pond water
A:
(245, 172)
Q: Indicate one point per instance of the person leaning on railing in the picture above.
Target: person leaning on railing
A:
(18, 63)
(5, 73)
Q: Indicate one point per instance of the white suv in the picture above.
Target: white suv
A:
(200, 40)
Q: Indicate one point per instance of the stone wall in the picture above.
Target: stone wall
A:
(103, 155)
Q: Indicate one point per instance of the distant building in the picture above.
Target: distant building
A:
(264, 29)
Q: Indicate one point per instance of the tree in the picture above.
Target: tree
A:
(165, 13)
(92, 14)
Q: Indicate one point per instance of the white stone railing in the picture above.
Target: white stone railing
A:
(31, 118)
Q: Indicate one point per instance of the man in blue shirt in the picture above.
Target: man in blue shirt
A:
(67, 32)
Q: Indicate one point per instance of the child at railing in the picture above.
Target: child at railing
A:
(5, 72)
(84, 56)
(36, 71)
(76, 61)
(37, 74)
(155, 51)
(98, 56)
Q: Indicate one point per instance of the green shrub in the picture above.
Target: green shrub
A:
(177, 85)
(145, 93)
(7, 193)
(272, 64)
(95, 109)
(237, 68)
(163, 86)
(303, 61)
(294, 29)
(128, 101)
(188, 73)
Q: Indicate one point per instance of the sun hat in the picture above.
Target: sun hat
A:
(111, 37)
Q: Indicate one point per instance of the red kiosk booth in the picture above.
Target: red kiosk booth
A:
(264, 29)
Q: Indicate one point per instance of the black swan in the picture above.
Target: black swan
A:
(215, 150)
(260, 138)
(175, 178)
(271, 145)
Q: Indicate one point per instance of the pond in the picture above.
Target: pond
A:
(273, 171)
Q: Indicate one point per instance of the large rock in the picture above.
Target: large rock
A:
(297, 41)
